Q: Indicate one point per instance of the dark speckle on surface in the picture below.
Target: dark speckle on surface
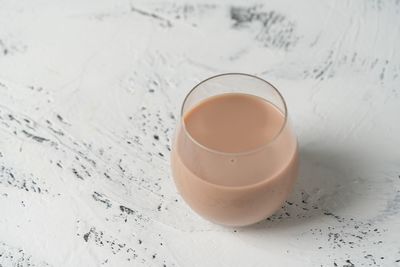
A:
(35, 137)
(126, 210)
(163, 21)
(349, 264)
(102, 198)
(276, 30)
(77, 174)
(86, 236)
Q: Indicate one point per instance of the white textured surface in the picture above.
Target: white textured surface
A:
(88, 95)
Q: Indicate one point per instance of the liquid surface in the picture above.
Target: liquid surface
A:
(234, 122)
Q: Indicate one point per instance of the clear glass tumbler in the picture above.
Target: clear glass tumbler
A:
(267, 173)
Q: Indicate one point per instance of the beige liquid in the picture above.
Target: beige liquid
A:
(237, 160)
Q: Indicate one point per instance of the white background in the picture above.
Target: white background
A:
(89, 95)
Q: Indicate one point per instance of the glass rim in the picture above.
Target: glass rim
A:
(251, 151)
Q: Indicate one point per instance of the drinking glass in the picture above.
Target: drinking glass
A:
(269, 171)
